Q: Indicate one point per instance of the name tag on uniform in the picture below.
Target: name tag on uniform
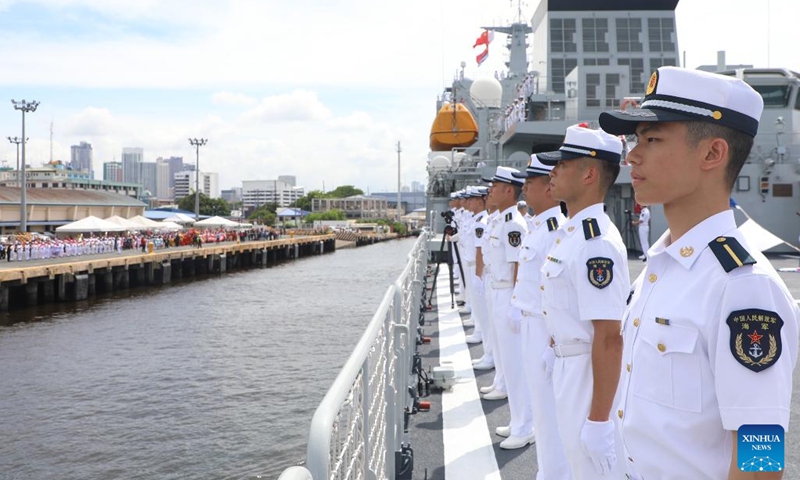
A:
(553, 259)
(662, 321)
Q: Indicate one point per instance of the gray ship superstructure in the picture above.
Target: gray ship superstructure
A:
(588, 56)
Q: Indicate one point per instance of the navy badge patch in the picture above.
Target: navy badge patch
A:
(601, 271)
(479, 232)
(755, 338)
(514, 239)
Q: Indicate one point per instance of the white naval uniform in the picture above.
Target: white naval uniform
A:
(684, 387)
(478, 305)
(585, 277)
(481, 232)
(506, 240)
(644, 230)
(490, 327)
(527, 297)
(464, 241)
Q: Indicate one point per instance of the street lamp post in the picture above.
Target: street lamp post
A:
(197, 142)
(24, 107)
(17, 141)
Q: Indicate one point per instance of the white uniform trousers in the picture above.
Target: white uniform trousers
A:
(572, 385)
(490, 332)
(472, 300)
(550, 454)
(644, 238)
(480, 307)
(509, 352)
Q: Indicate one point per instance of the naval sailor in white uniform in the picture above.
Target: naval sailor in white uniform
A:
(711, 331)
(527, 299)
(464, 242)
(585, 285)
(480, 231)
(476, 206)
(505, 240)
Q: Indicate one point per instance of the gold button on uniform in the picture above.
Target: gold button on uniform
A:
(628, 367)
(653, 277)
(619, 413)
(662, 347)
(635, 322)
(513, 297)
(541, 287)
(558, 240)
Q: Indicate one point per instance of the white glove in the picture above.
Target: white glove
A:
(515, 320)
(478, 286)
(454, 238)
(598, 443)
(549, 359)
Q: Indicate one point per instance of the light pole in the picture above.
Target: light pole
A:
(23, 215)
(197, 142)
(16, 140)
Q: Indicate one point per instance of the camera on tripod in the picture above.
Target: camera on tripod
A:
(449, 229)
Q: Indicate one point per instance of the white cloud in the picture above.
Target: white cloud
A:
(90, 122)
(298, 106)
(230, 99)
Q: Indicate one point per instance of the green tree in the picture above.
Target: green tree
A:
(329, 215)
(304, 202)
(264, 214)
(208, 205)
(344, 191)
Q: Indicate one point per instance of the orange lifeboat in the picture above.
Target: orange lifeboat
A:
(454, 126)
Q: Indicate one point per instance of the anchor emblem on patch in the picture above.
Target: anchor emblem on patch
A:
(755, 340)
(600, 271)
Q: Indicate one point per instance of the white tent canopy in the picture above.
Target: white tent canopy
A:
(123, 222)
(90, 224)
(216, 222)
(169, 226)
(144, 222)
(181, 218)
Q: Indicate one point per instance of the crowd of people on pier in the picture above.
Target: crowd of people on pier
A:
(20, 248)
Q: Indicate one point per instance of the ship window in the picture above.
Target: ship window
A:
(592, 62)
(637, 69)
(560, 68)
(781, 189)
(592, 85)
(562, 35)
(659, 33)
(773, 95)
(655, 63)
(612, 82)
(629, 32)
(595, 31)
(743, 184)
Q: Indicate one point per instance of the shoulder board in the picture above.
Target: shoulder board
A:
(730, 253)
(590, 228)
(552, 224)
(509, 217)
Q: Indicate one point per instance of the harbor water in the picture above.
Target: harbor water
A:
(213, 378)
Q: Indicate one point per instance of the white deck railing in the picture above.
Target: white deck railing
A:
(358, 428)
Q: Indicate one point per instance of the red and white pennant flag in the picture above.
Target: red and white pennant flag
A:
(484, 39)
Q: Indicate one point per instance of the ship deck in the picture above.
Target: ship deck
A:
(455, 440)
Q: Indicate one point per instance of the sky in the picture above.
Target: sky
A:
(319, 89)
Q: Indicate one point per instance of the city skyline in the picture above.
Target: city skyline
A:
(329, 105)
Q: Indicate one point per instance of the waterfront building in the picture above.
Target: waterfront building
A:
(232, 195)
(49, 208)
(112, 172)
(55, 176)
(357, 206)
(131, 164)
(185, 183)
(282, 191)
(164, 178)
(148, 178)
(409, 201)
(81, 158)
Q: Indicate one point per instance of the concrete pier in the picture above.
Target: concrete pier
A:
(77, 278)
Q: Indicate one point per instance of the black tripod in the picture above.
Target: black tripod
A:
(630, 235)
(443, 256)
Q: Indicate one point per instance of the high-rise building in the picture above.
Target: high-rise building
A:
(175, 166)
(417, 187)
(185, 183)
(132, 158)
(290, 180)
(112, 171)
(148, 177)
(81, 158)
(259, 192)
(163, 179)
